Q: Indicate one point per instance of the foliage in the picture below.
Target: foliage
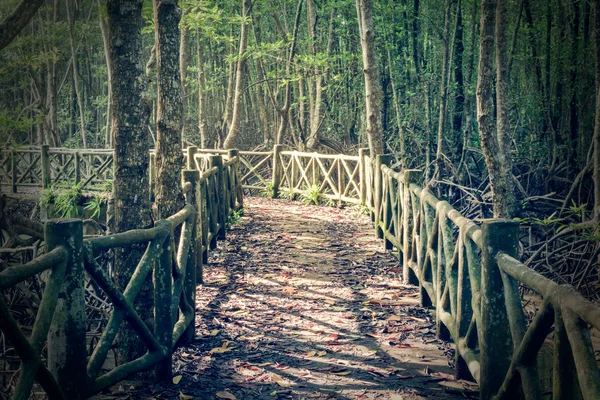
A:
(268, 191)
(311, 195)
(234, 218)
(66, 202)
(95, 205)
(288, 193)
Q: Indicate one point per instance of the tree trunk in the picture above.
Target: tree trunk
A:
(131, 186)
(500, 180)
(443, 92)
(76, 79)
(201, 94)
(364, 10)
(183, 65)
(17, 20)
(596, 137)
(231, 139)
(169, 157)
(106, 42)
(226, 123)
(508, 207)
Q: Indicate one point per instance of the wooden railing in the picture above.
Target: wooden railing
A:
(468, 271)
(471, 274)
(43, 166)
(176, 265)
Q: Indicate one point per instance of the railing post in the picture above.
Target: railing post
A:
(380, 159)
(13, 172)
(217, 161)
(408, 220)
(77, 159)
(152, 173)
(163, 322)
(276, 169)
(362, 154)
(494, 334)
(194, 259)
(45, 162)
(239, 194)
(66, 337)
(203, 216)
(191, 152)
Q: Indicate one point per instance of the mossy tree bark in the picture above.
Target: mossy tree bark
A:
(596, 137)
(169, 157)
(494, 148)
(131, 141)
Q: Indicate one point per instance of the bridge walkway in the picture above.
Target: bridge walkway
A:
(302, 302)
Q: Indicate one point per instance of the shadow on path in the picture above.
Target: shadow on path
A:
(302, 302)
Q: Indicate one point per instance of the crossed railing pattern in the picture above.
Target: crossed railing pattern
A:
(175, 249)
(43, 166)
(337, 176)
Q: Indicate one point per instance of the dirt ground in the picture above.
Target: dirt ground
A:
(302, 302)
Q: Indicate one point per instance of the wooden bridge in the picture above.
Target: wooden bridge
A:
(467, 272)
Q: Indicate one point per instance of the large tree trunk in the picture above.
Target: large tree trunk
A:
(493, 150)
(364, 10)
(596, 137)
(131, 186)
(169, 158)
(231, 139)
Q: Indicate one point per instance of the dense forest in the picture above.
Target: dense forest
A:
(487, 97)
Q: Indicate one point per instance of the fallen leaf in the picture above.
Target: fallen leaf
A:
(311, 353)
(321, 353)
(395, 318)
(217, 350)
(215, 332)
(396, 397)
(185, 396)
(342, 373)
(280, 381)
(177, 379)
(226, 395)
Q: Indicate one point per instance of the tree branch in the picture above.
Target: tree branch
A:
(17, 20)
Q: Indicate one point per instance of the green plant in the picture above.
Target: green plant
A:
(47, 196)
(311, 195)
(66, 202)
(268, 191)
(289, 194)
(94, 205)
(361, 209)
(234, 218)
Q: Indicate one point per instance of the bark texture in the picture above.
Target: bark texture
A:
(373, 91)
(131, 186)
(231, 139)
(596, 137)
(501, 182)
(17, 20)
(169, 157)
